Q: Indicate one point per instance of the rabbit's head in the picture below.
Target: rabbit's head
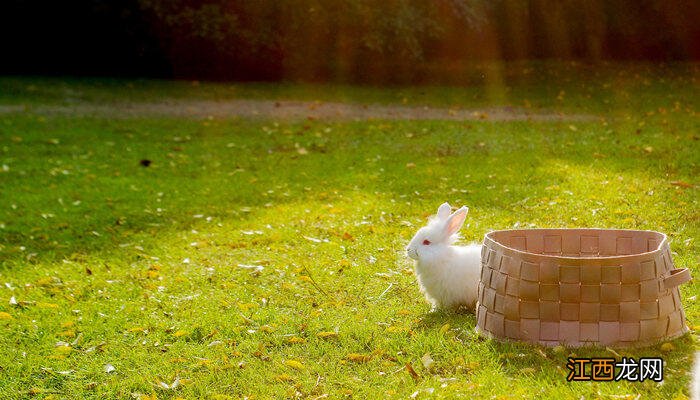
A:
(440, 232)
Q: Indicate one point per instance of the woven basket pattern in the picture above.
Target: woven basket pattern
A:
(579, 287)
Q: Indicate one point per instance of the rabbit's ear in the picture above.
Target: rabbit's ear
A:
(444, 211)
(455, 221)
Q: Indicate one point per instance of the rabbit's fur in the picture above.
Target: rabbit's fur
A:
(448, 275)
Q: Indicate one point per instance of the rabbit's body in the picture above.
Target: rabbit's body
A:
(448, 275)
(450, 279)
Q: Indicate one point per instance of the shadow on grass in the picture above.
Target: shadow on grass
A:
(437, 319)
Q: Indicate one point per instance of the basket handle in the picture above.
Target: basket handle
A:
(677, 277)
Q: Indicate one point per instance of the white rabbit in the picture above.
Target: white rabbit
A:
(448, 275)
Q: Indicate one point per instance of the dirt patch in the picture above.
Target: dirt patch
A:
(291, 110)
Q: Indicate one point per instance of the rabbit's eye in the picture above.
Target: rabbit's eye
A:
(426, 242)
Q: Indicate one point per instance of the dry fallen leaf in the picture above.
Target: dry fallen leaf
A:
(4, 315)
(359, 358)
(444, 328)
(284, 378)
(412, 372)
(349, 237)
(172, 386)
(427, 361)
(67, 333)
(667, 347)
(681, 184)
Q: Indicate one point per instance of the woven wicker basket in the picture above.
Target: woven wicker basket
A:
(580, 287)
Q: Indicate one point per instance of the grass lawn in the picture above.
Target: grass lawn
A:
(263, 258)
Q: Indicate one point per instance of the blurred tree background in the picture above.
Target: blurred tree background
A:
(355, 41)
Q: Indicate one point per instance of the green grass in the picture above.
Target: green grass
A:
(146, 269)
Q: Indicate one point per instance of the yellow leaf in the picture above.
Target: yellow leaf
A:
(63, 349)
(444, 328)
(246, 306)
(153, 274)
(44, 281)
(396, 329)
(284, 378)
(667, 347)
(68, 333)
(178, 359)
(305, 278)
(267, 328)
(404, 312)
(324, 335)
(359, 358)
(47, 305)
(295, 340)
(137, 329)
(180, 333)
(295, 364)
(67, 324)
(4, 315)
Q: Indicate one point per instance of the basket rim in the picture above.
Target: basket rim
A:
(488, 238)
